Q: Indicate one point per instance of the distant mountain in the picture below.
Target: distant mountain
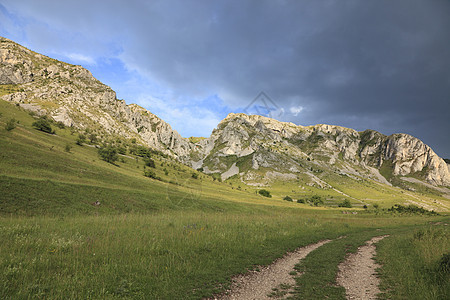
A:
(256, 149)
(255, 146)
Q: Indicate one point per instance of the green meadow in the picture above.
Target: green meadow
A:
(184, 234)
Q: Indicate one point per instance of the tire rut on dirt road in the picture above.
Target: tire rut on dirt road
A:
(357, 274)
(258, 285)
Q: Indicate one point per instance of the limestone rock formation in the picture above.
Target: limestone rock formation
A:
(71, 95)
(257, 149)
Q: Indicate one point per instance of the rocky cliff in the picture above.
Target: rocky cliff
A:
(255, 148)
(243, 144)
(71, 95)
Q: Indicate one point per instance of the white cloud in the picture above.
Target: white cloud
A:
(187, 120)
(80, 58)
(295, 110)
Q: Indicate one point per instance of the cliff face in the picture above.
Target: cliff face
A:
(71, 95)
(256, 142)
(255, 148)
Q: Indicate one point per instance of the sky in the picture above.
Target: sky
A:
(382, 65)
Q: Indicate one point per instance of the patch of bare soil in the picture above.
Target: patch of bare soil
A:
(259, 285)
(357, 274)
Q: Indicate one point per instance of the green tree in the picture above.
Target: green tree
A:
(316, 200)
(11, 124)
(345, 203)
(43, 124)
(81, 139)
(108, 154)
(287, 198)
(265, 193)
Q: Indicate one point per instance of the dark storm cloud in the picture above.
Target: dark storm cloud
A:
(383, 65)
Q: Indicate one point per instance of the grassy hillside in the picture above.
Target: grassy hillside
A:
(181, 236)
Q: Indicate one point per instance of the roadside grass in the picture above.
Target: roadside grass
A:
(170, 255)
(413, 265)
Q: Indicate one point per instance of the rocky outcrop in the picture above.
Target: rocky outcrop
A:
(260, 143)
(253, 147)
(70, 94)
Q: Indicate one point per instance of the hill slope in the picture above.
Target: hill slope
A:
(249, 151)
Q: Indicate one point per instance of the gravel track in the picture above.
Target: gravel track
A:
(258, 285)
(357, 274)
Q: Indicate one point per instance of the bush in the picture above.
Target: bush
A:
(122, 150)
(301, 201)
(287, 198)
(93, 138)
(265, 193)
(411, 209)
(11, 124)
(108, 154)
(151, 174)
(316, 200)
(345, 203)
(149, 162)
(81, 139)
(43, 124)
(195, 175)
(68, 148)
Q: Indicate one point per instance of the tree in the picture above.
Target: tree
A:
(43, 124)
(316, 200)
(11, 124)
(345, 203)
(108, 154)
(81, 139)
(149, 162)
(265, 193)
(287, 198)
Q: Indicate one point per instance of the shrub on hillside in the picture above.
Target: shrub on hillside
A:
(345, 203)
(287, 198)
(149, 162)
(11, 124)
(411, 209)
(43, 124)
(108, 154)
(151, 174)
(265, 193)
(301, 201)
(81, 139)
(316, 200)
(195, 175)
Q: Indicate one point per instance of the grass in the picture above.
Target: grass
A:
(178, 237)
(412, 264)
(320, 267)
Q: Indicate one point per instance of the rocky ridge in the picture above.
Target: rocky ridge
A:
(254, 148)
(70, 94)
(243, 144)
